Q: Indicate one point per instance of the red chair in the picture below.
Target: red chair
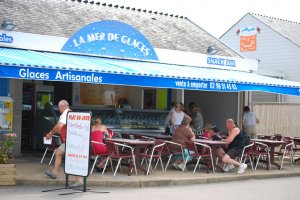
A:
(248, 152)
(193, 152)
(94, 153)
(286, 148)
(262, 151)
(115, 153)
(153, 153)
(168, 153)
(111, 134)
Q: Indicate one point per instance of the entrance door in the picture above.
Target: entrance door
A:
(27, 116)
(150, 99)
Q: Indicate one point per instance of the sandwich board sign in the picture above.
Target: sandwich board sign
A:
(77, 152)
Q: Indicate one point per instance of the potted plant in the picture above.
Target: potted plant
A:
(7, 171)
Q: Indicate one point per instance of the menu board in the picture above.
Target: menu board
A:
(78, 143)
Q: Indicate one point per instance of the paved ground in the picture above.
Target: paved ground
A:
(275, 189)
(29, 171)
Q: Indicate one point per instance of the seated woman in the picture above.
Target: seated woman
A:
(99, 132)
(182, 133)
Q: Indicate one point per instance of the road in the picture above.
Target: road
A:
(275, 189)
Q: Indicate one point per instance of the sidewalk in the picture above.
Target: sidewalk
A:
(29, 171)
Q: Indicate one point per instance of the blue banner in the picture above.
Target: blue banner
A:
(136, 80)
(111, 38)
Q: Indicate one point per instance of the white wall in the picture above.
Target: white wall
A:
(135, 97)
(275, 52)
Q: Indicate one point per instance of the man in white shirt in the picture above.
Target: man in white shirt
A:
(61, 127)
(249, 122)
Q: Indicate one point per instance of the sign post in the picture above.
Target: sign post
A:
(77, 152)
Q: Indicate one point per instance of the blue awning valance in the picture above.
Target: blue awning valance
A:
(27, 64)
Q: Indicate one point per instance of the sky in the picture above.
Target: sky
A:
(217, 16)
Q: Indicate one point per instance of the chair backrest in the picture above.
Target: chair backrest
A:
(260, 148)
(288, 145)
(249, 149)
(92, 150)
(110, 133)
(191, 146)
(112, 149)
(158, 147)
(277, 137)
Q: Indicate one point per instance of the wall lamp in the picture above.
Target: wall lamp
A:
(211, 51)
(8, 25)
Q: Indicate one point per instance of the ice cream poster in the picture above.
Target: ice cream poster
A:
(248, 38)
(6, 114)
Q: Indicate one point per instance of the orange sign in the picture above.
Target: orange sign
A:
(248, 43)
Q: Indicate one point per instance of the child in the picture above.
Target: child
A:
(208, 132)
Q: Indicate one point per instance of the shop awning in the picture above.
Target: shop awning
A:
(35, 65)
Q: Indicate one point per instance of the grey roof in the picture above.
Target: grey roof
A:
(289, 29)
(65, 17)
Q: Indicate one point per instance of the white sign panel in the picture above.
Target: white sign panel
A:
(78, 143)
(55, 44)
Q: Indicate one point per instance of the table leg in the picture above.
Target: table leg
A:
(138, 159)
(214, 150)
(272, 158)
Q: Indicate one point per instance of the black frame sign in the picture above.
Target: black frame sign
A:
(78, 138)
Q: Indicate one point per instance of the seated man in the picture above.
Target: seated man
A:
(182, 133)
(235, 145)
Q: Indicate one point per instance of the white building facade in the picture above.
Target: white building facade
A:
(275, 43)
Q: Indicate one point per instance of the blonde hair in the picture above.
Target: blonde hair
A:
(97, 121)
(207, 127)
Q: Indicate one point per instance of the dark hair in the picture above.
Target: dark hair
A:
(246, 109)
(216, 129)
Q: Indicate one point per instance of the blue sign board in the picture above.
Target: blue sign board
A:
(221, 62)
(137, 80)
(111, 38)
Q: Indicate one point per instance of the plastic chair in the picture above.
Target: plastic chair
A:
(249, 152)
(286, 148)
(262, 151)
(277, 137)
(153, 153)
(51, 147)
(93, 153)
(115, 153)
(168, 153)
(193, 147)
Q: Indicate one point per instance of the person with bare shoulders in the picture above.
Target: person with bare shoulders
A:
(234, 147)
(99, 131)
